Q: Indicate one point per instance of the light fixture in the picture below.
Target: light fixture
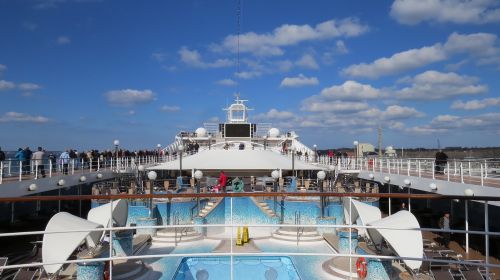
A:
(387, 179)
(371, 176)
(116, 142)
(468, 192)
(275, 174)
(98, 176)
(198, 174)
(83, 178)
(152, 175)
(355, 143)
(32, 187)
(180, 148)
(407, 182)
(433, 186)
(159, 146)
(315, 146)
(141, 168)
(61, 182)
(321, 175)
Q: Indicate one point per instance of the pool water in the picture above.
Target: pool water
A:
(245, 268)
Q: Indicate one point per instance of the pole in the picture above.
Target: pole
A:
(467, 226)
(198, 199)
(389, 191)
(293, 162)
(409, 199)
(487, 239)
(151, 183)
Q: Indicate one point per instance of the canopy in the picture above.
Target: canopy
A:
(58, 247)
(101, 214)
(362, 213)
(216, 159)
(404, 242)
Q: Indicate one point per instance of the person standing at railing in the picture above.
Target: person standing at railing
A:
(444, 224)
(52, 159)
(27, 162)
(64, 159)
(440, 162)
(37, 158)
(21, 157)
(2, 159)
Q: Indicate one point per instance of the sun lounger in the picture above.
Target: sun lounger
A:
(442, 274)
(472, 275)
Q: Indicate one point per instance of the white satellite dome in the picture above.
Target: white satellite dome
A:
(389, 148)
(274, 132)
(201, 132)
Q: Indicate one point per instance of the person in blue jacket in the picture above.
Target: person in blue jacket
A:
(21, 157)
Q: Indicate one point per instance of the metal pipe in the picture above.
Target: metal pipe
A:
(466, 226)
(487, 239)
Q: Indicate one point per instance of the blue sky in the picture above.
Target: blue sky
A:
(80, 73)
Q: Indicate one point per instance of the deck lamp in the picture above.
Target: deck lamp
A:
(98, 176)
(116, 142)
(151, 176)
(387, 179)
(321, 176)
(468, 192)
(159, 150)
(198, 174)
(433, 186)
(61, 182)
(371, 176)
(141, 168)
(407, 183)
(83, 179)
(32, 187)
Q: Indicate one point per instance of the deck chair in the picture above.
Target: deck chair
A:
(442, 274)
(25, 274)
(3, 262)
(472, 275)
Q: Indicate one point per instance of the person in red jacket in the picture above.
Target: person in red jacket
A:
(222, 182)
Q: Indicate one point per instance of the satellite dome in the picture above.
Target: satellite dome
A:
(201, 132)
(389, 148)
(274, 132)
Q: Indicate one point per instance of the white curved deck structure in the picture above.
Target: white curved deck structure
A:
(102, 214)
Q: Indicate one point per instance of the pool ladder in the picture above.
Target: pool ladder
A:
(177, 221)
(300, 230)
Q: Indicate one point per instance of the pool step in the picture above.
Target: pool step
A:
(264, 207)
(211, 205)
(290, 234)
(183, 235)
(131, 269)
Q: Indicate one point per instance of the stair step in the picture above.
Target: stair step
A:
(293, 238)
(211, 203)
(294, 233)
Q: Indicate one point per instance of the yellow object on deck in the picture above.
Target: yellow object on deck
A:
(239, 241)
(246, 236)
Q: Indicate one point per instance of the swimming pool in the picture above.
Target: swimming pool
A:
(251, 268)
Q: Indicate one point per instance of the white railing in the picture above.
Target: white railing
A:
(485, 264)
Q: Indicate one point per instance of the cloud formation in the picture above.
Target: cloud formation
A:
(479, 45)
(476, 104)
(413, 12)
(129, 97)
(227, 82)
(6, 85)
(431, 85)
(308, 61)
(272, 44)
(169, 109)
(22, 117)
(63, 40)
(299, 81)
(193, 58)
(351, 90)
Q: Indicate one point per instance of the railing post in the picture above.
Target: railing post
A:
(461, 173)
(72, 166)
(485, 169)
(448, 172)
(36, 170)
(470, 170)
(408, 167)
(419, 169)
(50, 168)
(482, 180)
(1, 171)
(350, 238)
(98, 164)
(455, 163)
(467, 226)
(110, 224)
(433, 170)
(20, 171)
(487, 239)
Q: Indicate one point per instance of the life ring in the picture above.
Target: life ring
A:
(361, 268)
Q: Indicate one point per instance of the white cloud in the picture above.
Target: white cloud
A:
(313, 105)
(271, 44)
(397, 63)
(299, 81)
(227, 82)
(28, 86)
(274, 114)
(129, 97)
(22, 117)
(479, 45)
(193, 58)
(450, 123)
(351, 90)
(308, 61)
(476, 104)
(341, 48)
(246, 75)
(455, 11)
(6, 85)
(396, 112)
(159, 56)
(169, 109)
(432, 85)
(63, 40)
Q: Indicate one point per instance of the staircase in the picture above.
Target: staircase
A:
(294, 234)
(177, 235)
(209, 207)
(264, 206)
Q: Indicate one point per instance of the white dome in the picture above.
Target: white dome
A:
(201, 132)
(389, 148)
(274, 132)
